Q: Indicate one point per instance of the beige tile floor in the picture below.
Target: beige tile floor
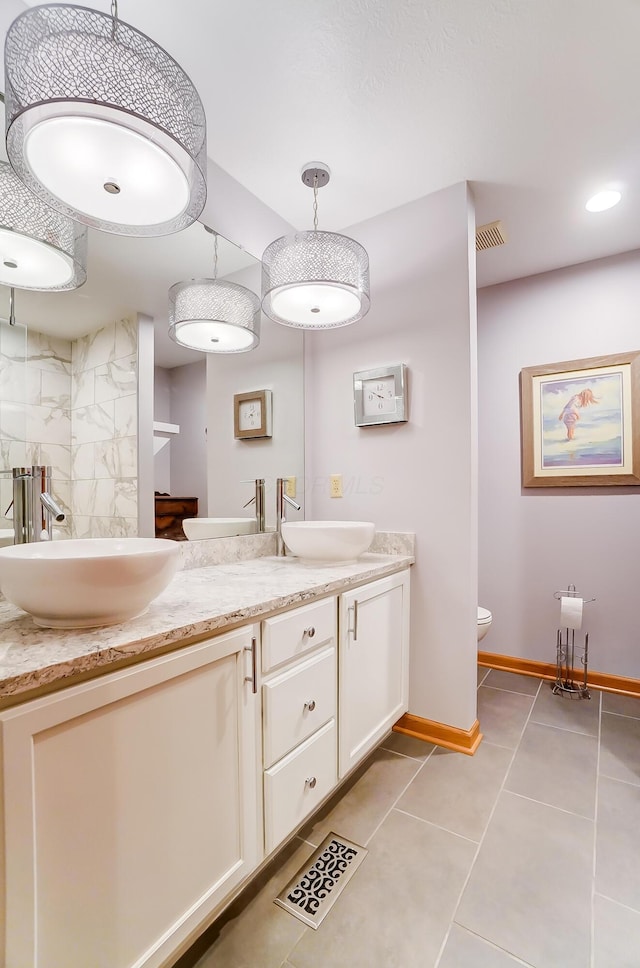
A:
(527, 853)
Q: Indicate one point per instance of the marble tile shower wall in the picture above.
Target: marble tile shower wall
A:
(35, 426)
(48, 418)
(13, 426)
(104, 432)
(74, 405)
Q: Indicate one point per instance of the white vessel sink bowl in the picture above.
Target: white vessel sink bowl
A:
(197, 528)
(328, 540)
(87, 582)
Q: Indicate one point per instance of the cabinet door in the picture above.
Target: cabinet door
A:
(131, 808)
(373, 664)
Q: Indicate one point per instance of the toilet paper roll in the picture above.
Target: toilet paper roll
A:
(571, 612)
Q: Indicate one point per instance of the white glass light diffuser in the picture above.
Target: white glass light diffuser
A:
(39, 248)
(603, 200)
(102, 123)
(214, 316)
(315, 280)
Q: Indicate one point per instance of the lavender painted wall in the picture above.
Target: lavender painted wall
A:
(188, 449)
(276, 365)
(536, 540)
(419, 476)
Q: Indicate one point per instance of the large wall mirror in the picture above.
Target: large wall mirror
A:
(79, 369)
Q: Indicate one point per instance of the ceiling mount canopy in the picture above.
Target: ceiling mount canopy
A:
(214, 315)
(39, 248)
(102, 123)
(315, 280)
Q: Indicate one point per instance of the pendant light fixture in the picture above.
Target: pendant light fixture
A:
(39, 249)
(214, 315)
(102, 124)
(315, 280)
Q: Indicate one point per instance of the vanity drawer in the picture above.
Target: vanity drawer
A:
(290, 635)
(295, 786)
(297, 702)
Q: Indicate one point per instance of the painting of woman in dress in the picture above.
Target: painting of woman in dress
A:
(582, 421)
(569, 414)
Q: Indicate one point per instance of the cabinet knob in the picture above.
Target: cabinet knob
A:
(310, 782)
(311, 705)
(310, 631)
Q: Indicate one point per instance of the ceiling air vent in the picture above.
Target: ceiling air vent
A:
(490, 235)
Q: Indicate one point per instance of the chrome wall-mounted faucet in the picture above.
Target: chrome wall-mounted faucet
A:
(46, 510)
(281, 499)
(21, 504)
(258, 500)
(34, 509)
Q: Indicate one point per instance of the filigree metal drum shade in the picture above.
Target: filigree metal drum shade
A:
(315, 280)
(214, 316)
(103, 124)
(39, 248)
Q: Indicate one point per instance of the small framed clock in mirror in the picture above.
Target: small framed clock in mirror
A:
(380, 395)
(252, 414)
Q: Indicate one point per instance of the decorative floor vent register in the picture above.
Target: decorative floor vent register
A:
(313, 891)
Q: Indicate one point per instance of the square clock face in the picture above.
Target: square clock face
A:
(380, 395)
(252, 414)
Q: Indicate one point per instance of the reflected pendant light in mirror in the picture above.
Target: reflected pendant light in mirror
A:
(214, 315)
(315, 280)
(39, 248)
(102, 123)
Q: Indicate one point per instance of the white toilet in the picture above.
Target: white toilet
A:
(484, 621)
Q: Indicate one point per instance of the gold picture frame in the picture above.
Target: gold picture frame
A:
(252, 414)
(580, 422)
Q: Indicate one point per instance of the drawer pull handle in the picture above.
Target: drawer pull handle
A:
(310, 631)
(310, 705)
(310, 782)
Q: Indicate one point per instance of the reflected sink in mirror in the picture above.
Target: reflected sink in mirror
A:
(6, 536)
(198, 528)
(87, 582)
(328, 540)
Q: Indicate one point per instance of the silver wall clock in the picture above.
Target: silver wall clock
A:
(380, 395)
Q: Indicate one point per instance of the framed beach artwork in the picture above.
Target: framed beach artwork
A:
(581, 422)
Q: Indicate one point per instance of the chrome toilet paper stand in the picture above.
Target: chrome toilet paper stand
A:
(567, 651)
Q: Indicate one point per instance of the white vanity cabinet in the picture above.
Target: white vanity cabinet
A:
(299, 704)
(134, 804)
(374, 664)
(132, 807)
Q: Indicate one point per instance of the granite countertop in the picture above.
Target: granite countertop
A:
(198, 601)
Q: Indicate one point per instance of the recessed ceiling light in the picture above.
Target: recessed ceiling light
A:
(602, 201)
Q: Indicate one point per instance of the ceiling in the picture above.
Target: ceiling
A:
(535, 102)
